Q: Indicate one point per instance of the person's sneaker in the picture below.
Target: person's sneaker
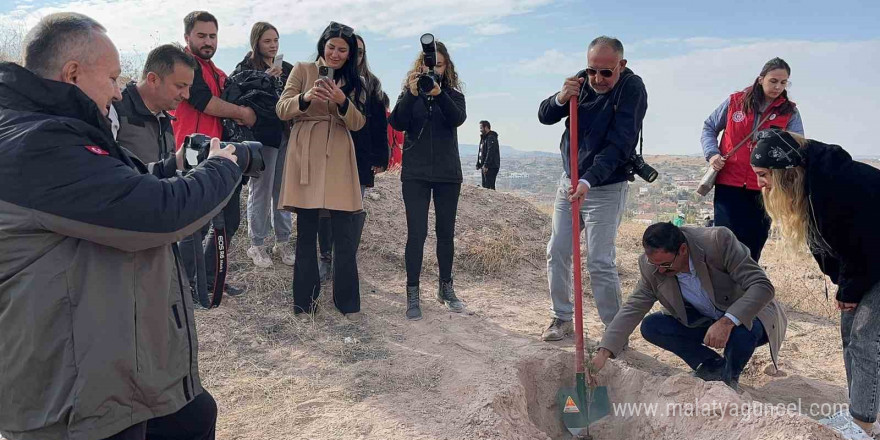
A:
(842, 422)
(284, 251)
(557, 330)
(233, 291)
(446, 295)
(413, 310)
(260, 257)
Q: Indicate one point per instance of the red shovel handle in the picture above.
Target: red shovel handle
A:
(575, 237)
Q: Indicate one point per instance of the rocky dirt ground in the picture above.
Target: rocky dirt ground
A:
(484, 374)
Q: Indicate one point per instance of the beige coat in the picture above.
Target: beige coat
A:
(736, 284)
(320, 170)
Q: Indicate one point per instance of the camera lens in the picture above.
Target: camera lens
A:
(427, 39)
(426, 84)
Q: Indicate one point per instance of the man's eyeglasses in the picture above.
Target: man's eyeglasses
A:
(666, 265)
(606, 73)
(341, 28)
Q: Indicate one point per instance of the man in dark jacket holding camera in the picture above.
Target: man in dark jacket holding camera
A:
(611, 106)
(489, 157)
(96, 329)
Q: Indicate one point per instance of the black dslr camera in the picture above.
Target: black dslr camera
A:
(248, 154)
(428, 80)
(636, 166)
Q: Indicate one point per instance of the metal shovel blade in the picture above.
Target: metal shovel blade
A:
(582, 406)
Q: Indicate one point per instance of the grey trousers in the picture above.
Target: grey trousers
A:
(601, 213)
(262, 202)
(860, 332)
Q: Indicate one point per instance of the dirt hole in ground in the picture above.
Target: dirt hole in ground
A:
(541, 379)
(699, 410)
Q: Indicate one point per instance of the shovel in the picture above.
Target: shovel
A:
(581, 405)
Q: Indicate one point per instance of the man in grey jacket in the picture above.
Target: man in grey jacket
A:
(97, 333)
(714, 296)
(144, 123)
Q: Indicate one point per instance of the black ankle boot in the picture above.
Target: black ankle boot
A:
(446, 295)
(413, 311)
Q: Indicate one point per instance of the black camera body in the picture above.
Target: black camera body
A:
(248, 154)
(428, 80)
(636, 166)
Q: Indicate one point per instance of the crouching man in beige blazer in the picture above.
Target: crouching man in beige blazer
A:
(713, 295)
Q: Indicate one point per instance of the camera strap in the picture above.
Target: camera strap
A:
(617, 103)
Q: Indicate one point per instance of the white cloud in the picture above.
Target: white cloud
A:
(837, 108)
(493, 29)
(552, 61)
(130, 21)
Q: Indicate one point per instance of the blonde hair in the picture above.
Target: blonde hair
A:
(450, 76)
(788, 205)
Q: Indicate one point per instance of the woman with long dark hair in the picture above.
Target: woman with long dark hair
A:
(371, 152)
(263, 191)
(823, 201)
(762, 105)
(431, 168)
(320, 171)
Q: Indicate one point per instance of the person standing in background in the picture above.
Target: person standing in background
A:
(489, 157)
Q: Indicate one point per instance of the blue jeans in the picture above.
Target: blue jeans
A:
(860, 331)
(685, 342)
(262, 202)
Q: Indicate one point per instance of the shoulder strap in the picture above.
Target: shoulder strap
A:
(743, 141)
(617, 103)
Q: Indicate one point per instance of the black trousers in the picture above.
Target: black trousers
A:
(489, 177)
(742, 211)
(417, 199)
(306, 280)
(232, 220)
(195, 421)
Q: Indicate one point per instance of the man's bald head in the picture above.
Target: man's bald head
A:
(75, 49)
(57, 39)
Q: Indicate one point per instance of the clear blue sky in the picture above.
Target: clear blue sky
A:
(514, 53)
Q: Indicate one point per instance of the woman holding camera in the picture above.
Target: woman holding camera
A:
(263, 191)
(821, 199)
(324, 99)
(429, 110)
(762, 105)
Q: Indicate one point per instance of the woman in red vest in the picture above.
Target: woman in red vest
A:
(764, 104)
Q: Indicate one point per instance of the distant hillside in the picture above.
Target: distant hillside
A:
(471, 150)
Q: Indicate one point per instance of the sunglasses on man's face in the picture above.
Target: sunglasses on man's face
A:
(606, 73)
(339, 27)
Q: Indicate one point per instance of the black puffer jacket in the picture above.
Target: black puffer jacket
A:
(256, 89)
(430, 148)
(845, 197)
(371, 141)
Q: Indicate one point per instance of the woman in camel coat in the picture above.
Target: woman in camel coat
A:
(320, 171)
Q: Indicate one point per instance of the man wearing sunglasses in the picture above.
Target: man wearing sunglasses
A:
(612, 104)
(714, 296)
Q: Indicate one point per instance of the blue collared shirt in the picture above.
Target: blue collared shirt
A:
(693, 292)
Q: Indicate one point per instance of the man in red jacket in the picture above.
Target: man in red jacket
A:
(202, 113)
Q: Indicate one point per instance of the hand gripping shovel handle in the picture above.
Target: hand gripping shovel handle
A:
(575, 237)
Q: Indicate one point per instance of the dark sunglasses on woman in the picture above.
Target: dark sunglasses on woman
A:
(341, 28)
